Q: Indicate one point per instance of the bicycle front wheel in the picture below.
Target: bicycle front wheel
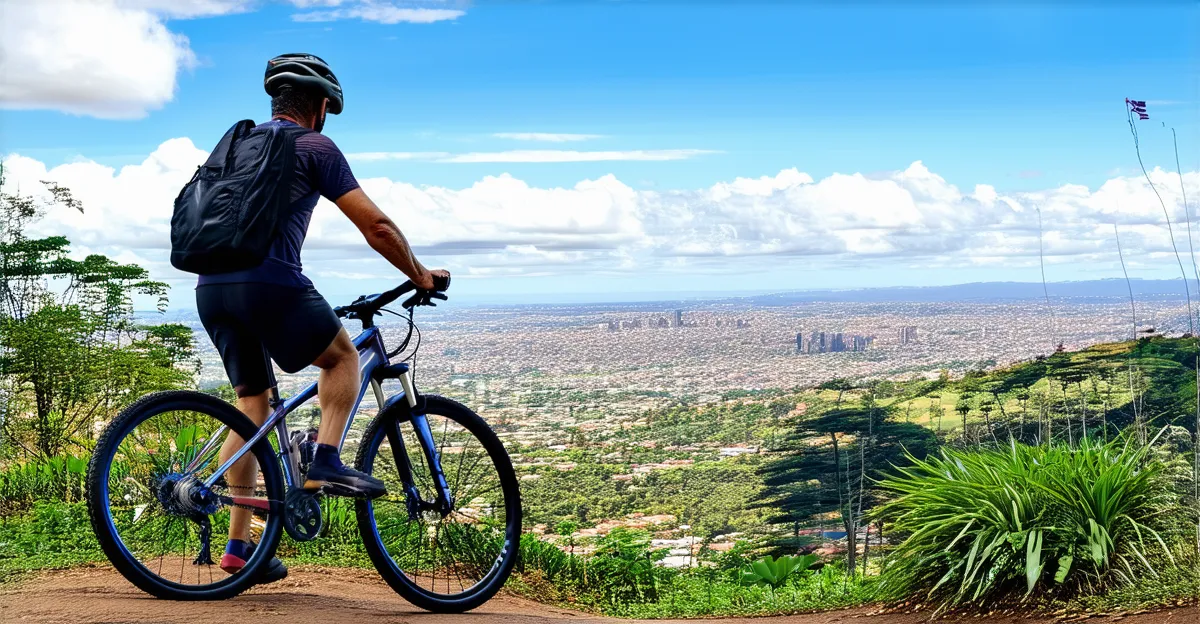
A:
(444, 562)
(161, 527)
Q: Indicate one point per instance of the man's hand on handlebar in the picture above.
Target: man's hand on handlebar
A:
(438, 279)
(367, 306)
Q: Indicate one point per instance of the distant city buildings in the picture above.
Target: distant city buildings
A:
(832, 342)
(675, 320)
(908, 334)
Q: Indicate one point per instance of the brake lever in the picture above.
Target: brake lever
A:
(424, 298)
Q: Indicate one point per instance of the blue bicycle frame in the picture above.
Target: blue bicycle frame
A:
(374, 368)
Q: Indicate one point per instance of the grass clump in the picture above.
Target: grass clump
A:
(988, 526)
(50, 536)
(620, 579)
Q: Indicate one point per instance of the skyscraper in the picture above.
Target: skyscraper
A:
(678, 318)
(799, 342)
(908, 334)
(816, 343)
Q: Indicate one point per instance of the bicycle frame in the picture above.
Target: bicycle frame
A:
(374, 368)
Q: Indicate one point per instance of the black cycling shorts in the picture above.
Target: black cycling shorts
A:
(251, 322)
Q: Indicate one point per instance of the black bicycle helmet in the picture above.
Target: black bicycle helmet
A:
(303, 70)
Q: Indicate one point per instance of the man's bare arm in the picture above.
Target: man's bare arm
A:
(384, 236)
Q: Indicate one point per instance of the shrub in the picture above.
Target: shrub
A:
(774, 572)
(53, 479)
(988, 524)
(48, 536)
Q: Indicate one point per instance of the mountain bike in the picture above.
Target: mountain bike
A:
(445, 536)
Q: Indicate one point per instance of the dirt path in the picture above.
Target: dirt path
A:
(320, 596)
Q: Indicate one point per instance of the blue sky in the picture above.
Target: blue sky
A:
(1022, 98)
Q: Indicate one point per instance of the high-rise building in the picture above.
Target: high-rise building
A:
(908, 334)
(799, 342)
(816, 343)
(838, 343)
(678, 318)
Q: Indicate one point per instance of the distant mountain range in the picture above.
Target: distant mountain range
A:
(1104, 289)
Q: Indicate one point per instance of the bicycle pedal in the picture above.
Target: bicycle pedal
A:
(333, 489)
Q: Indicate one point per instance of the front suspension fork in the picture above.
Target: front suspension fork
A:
(444, 503)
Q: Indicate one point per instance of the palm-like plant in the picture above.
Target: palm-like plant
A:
(985, 524)
(774, 572)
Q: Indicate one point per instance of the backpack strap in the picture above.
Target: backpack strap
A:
(235, 134)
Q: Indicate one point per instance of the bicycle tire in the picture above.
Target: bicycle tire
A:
(388, 569)
(98, 504)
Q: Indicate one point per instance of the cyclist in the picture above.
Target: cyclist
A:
(273, 312)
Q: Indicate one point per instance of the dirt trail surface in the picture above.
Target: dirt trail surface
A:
(325, 596)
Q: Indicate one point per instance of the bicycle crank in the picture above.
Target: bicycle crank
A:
(302, 515)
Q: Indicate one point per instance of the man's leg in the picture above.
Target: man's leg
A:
(337, 389)
(243, 475)
(242, 478)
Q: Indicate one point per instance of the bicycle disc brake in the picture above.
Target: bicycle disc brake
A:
(301, 515)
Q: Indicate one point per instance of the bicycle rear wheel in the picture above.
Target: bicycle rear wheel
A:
(445, 563)
(157, 522)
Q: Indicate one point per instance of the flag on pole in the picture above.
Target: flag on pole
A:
(1139, 107)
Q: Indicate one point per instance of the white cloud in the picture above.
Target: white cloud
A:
(549, 137)
(106, 58)
(532, 156)
(378, 156)
(382, 11)
(559, 156)
(117, 59)
(186, 9)
(501, 225)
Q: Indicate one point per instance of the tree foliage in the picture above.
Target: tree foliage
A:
(71, 350)
(830, 463)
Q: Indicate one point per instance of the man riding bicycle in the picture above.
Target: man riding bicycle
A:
(273, 312)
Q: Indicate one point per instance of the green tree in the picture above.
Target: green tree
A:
(71, 351)
(830, 464)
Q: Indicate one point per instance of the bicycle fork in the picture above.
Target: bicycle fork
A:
(444, 503)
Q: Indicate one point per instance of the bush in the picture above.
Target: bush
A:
(774, 572)
(54, 479)
(621, 570)
(620, 579)
(48, 536)
(986, 525)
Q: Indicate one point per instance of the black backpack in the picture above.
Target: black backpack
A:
(227, 215)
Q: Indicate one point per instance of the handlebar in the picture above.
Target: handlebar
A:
(367, 306)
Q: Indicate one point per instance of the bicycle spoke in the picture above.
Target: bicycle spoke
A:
(451, 554)
(157, 504)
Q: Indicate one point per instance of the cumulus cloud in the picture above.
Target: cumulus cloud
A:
(533, 156)
(501, 225)
(186, 9)
(549, 137)
(381, 11)
(117, 59)
(558, 156)
(106, 58)
(378, 156)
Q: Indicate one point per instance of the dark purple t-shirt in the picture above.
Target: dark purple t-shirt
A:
(321, 171)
